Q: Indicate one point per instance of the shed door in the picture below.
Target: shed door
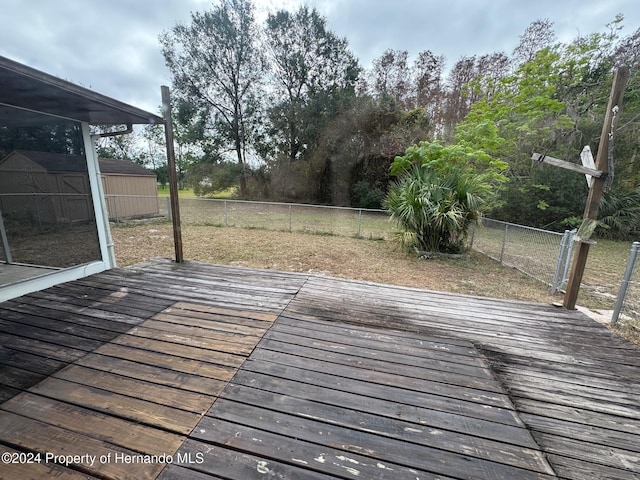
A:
(76, 203)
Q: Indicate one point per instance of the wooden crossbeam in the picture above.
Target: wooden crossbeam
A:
(556, 162)
(597, 189)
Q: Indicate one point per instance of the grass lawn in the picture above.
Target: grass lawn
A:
(188, 193)
(375, 258)
(361, 259)
(344, 257)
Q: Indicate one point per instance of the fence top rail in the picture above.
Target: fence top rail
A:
(116, 195)
(44, 194)
(306, 205)
(521, 226)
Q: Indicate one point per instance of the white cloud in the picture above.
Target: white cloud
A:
(112, 46)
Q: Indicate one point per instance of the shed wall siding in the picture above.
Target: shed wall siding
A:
(130, 196)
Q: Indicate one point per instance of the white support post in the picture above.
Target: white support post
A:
(5, 241)
(99, 203)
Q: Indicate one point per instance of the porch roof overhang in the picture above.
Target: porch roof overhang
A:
(32, 90)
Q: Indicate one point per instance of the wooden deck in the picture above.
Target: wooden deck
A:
(232, 373)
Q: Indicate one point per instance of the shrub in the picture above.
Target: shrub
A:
(435, 211)
(440, 192)
(364, 196)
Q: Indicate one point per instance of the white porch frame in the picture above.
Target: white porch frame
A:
(107, 254)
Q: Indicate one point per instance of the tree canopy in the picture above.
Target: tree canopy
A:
(290, 104)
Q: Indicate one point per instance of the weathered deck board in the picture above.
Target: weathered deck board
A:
(575, 381)
(121, 369)
(36, 436)
(360, 413)
(349, 380)
(35, 470)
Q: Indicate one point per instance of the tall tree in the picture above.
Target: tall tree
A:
(217, 66)
(310, 65)
(392, 76)
(538, 35)
(456, 102)
(427, 70)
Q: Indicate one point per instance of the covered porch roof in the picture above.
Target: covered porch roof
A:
(32, 90)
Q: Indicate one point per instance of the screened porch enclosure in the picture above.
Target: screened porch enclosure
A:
(48, 217)
(54, 224)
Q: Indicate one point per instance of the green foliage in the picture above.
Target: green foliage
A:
(440, 192)
(523, 114)
(365, 196)
(162, 175)
(435, 210)
(207, 179)
(544, 199)
(441, 159)
(620, 216)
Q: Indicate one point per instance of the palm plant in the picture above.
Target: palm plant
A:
(620, 215)
(435, 209)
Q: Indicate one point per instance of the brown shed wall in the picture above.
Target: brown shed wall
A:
(130, 196)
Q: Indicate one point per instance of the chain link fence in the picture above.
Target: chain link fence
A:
(318, 219)
(628, 301)
(541, 254)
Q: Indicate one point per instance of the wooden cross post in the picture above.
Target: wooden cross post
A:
(595, 192)
(596, 177)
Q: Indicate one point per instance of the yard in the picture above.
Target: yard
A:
(379, 261)
(356, 245)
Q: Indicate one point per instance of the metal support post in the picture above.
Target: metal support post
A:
(633, 255)
(558, 274)
(504, 241)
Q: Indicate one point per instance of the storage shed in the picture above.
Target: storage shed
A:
(130, 189)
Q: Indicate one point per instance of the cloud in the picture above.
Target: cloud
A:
(112, 46)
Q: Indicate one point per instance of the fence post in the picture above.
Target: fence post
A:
(567, 262)
(289, 218)
(558, 274)
(625, 282)
(504, 242)
(359, 221)
(5, 241)
(226, 224)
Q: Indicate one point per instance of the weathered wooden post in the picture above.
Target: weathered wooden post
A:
(596, 178)
(173, 176)
(614, 108)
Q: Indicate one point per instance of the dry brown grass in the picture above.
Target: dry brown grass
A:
(378, 261)
(369, 260)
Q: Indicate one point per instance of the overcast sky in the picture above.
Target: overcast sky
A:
(111, 46)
